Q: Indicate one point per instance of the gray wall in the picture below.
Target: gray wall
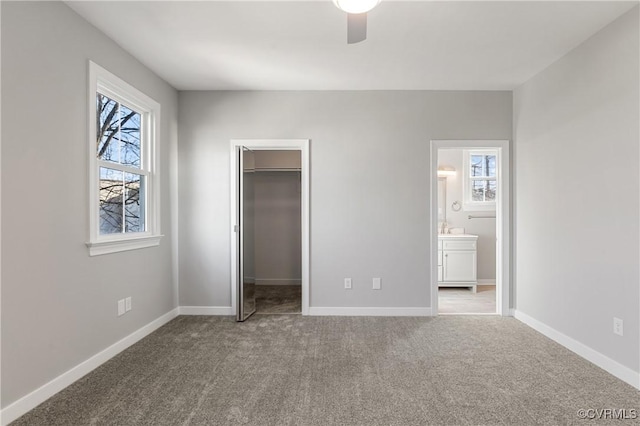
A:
(485, 229)
(576, 136)
(369, 183)
(59, 304)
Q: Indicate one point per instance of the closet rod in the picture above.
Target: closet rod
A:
(481, 217)
(273, 169)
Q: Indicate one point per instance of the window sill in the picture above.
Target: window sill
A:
(123, 244)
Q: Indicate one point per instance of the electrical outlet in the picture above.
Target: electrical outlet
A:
(121, 309)
(347, 283)
(617, 326)
(127, 304)
(377, 283)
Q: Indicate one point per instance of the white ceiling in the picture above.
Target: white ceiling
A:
(301, 45)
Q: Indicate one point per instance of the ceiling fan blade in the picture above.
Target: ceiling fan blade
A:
(356, 27)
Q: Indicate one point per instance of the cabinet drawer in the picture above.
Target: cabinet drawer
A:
(459, 245)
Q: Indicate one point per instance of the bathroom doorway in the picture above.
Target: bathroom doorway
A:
(470, 197)
(270, 227)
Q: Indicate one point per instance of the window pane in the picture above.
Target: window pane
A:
(477, 190)
(490, 190)
(490, 162)
(134, 202)
(111, 190)
(483, 190)
(129, 136)
(107, 129)
(477, 165)
(483, 166)
(118, 132)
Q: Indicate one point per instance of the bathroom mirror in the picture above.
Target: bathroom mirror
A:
(442, 199)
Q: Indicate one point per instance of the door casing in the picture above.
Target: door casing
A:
(503, 219)
(301, 145)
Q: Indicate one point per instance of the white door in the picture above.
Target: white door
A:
(246, 303)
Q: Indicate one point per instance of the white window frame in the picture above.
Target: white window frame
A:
(106, 83)
(467, 201)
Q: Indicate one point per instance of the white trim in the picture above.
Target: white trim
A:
(503, 231)
(278, 281)
(1, 416)
(123, 244)
(370, 312)
(613, 367)
(207, 310)
(117, 89)
(46, 391)
(301, 145)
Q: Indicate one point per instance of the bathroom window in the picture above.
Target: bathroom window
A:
(123, 199)
(480, 183)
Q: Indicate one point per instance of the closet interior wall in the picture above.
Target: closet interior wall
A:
(277, 218)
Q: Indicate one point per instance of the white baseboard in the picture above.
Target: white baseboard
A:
(613, 367)
(46, 391)
(206, 310)
(278, 281)
(373, 312)
(487, 281)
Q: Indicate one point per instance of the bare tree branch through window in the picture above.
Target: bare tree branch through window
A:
(121, 192)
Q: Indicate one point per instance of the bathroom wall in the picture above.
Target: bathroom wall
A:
(485, 229)
(278, 256)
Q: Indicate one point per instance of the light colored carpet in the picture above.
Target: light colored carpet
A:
(298, 370)
(461, 300)
(278, 299)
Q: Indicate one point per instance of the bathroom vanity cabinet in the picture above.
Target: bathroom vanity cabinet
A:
(457, 261)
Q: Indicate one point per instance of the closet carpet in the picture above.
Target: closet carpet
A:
(295, 370)
(278, 299)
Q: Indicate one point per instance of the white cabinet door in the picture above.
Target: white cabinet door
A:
(459, 265)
